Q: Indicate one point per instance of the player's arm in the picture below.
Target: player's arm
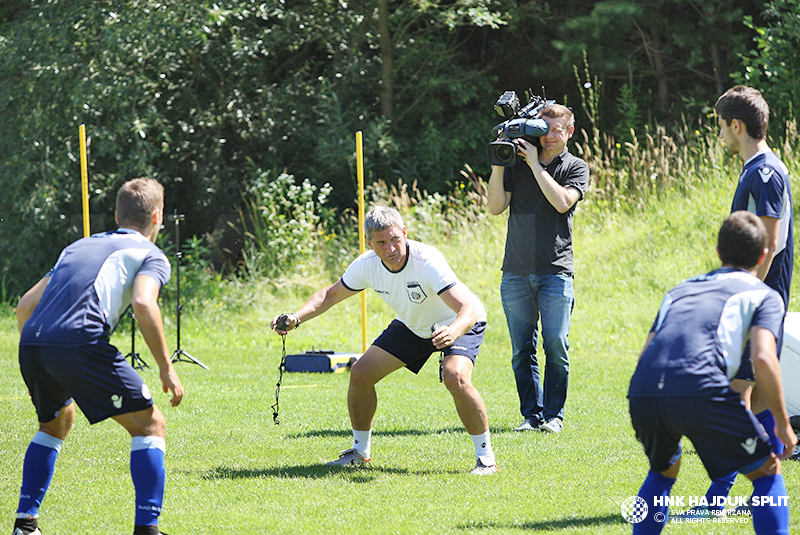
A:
(499, 198)
(148, 316)
(319, 302)
(650, 337)
(28, 302)
(773, 225)
(466, 316)
(767, 370)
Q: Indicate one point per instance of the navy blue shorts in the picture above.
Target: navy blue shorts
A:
(726, 436)
(399, 341)
(96, 376)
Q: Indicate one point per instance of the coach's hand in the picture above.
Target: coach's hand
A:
(444, 336)
(170, 382)
(283, 323)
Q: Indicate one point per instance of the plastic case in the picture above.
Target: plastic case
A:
(321, 361)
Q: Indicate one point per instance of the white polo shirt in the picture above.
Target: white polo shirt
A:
(414, 291)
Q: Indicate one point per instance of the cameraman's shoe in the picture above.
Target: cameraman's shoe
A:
(554, 425)
(349, 457)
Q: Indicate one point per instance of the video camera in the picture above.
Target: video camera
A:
(519, 123)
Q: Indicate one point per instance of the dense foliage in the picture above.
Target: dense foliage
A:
(210, 98)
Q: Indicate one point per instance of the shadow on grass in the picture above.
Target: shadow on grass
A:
(327, 433)
(315, 471)
(550, 525)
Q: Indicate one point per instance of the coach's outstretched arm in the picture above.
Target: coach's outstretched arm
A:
(767, 370)
(317, 304)
(148, 315)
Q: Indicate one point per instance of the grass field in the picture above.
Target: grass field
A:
(231, 470)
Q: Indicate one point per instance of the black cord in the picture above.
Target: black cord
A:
(282, 366)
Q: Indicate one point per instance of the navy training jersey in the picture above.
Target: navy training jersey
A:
(764, 189)
(701, 331)
(90, 287)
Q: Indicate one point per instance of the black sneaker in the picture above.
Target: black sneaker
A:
(26, 526)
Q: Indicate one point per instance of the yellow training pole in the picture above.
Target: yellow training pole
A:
(84, 181)
(361, 239)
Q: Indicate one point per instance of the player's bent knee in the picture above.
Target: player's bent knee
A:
(770, 467)
(60, 426)
(146, 423)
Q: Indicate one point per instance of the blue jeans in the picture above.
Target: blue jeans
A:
(526, 300)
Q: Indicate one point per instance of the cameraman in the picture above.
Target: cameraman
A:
(541, 191)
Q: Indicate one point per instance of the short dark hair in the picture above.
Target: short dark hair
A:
(137, 199)
(741, 240)
(747, 105)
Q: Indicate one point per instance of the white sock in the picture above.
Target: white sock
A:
(483, 447)
(362, 440)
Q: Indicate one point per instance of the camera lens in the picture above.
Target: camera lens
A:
(503, 153)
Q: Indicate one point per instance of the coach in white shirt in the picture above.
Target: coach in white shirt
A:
(435, 312)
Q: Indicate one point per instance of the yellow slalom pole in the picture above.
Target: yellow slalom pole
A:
(84, 180)
(361, 239)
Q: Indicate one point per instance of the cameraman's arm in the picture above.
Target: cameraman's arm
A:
(560, 197)
(317, 304)
(499, 198)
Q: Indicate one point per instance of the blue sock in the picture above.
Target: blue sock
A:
(772, 517)
(768, 421)
(37, 471)
(720, 487)
(655, 486)
(148, 474)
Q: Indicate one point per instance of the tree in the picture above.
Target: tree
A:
(774, 66)
(667, 49)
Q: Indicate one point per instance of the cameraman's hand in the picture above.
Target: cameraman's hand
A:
(287, 323)
(527, 150)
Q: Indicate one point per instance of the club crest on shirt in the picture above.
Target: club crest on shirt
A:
(415, 292)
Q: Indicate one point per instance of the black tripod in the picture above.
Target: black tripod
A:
(136, 361)
(180, 355)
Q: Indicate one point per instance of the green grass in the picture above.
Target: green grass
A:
(231, 470)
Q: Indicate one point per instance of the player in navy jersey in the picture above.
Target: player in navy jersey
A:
(65, 355)
(435, 312)
(763, 189)
(681, 386)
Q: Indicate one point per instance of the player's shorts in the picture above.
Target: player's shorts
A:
(726, 436)
(399, 341)
(746, 369)
(96, 376)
